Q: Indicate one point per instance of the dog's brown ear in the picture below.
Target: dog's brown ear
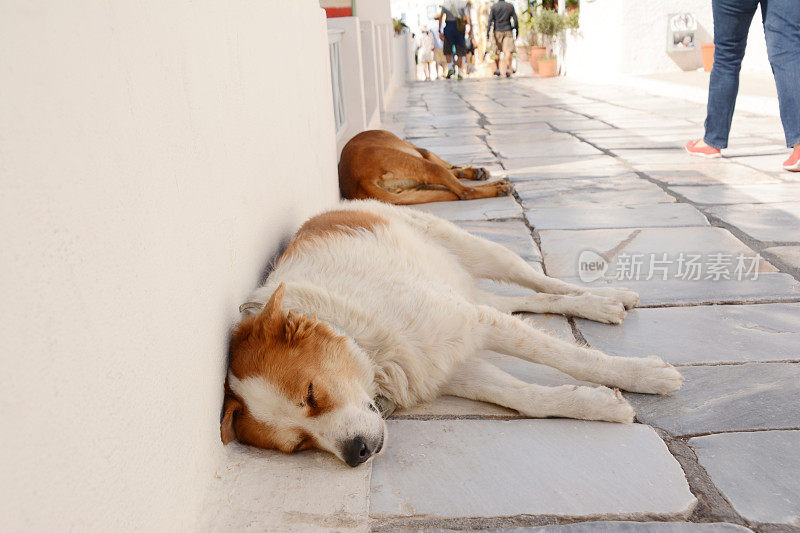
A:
(271, 317)
(230, 408)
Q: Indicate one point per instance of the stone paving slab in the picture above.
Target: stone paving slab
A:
(651, 156)
(536, 163)
(445, 132)
(726, 398)
(601, 166)
(590, 192)
(457, 150)
(521, 127)
(642, 216)
(512, 115)
(627, 141)
(721, 174)
(788, 254)
(492, 468)
(754, 147)
(629, 527)
(562, 250)
(757, 472)
(764, 222)
(572, 148)
(769, 287)
(483, 209)
(703, 334)
(769, 163)
(513, 234)
(445, 121)
(527, 138)
(435, 143)
(741, 194)
(579, 124)
(270, 491)
(646, 120)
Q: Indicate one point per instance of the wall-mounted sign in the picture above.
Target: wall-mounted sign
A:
(681, 30)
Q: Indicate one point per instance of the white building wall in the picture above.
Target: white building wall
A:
(153, 155)
(377, 11)
(629, 37)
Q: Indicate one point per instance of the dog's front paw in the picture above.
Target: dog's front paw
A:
(602, 403)
(601, 309)
(504, 187)
(652, 375)
(626, 297)
(480, 174)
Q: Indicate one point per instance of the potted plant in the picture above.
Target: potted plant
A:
(548, 24)
(572, 20)
(399, 26)
(572, 6)
(531, 39)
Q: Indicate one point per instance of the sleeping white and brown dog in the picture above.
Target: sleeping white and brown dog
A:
(371, 301)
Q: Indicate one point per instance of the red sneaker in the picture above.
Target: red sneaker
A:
(793, 163)
(702, 151)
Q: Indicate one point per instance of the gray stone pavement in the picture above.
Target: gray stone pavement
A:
(713, 248)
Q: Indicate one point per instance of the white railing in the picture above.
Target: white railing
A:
(337, 87)
(369, 60)
(384, 32)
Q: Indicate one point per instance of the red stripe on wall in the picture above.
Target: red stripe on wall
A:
(333, 12)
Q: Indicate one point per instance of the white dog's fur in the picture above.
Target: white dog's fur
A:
(405, 295)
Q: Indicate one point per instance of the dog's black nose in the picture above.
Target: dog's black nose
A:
(356, 451)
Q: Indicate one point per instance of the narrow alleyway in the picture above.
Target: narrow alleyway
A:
(604, 194)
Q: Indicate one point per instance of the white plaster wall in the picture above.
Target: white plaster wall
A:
(629, 37)
(152, 156)
(377, 11)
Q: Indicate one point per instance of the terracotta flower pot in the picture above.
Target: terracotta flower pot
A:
(708, 56)
(523, 52)
(548, 67)
(536, 53)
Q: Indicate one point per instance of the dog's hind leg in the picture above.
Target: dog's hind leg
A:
(415, 173)
(489, 260)
(477, 379)
(408, 196)
(464, 172)
(598, 308)
(507, 334)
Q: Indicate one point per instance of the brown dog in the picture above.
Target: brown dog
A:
(378, 164)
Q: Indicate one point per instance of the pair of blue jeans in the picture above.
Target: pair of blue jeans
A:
(732, 18)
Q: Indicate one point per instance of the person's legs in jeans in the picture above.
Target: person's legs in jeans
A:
(782, 31)
(732, 20)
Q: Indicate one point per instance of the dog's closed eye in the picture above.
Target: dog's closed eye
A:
(310, 396)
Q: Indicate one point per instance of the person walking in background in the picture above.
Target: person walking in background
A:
(425, 54)
(454, 14)
(504, 18)
(438, 54)
(469, 59)
(781, 19)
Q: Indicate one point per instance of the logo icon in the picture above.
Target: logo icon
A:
(591, 266)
